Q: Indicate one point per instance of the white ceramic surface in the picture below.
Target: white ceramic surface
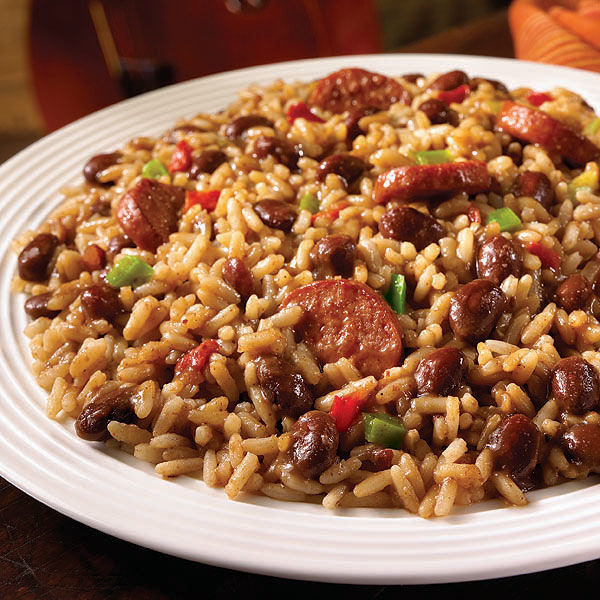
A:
(119, 495)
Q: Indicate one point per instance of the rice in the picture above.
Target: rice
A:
(178, 365)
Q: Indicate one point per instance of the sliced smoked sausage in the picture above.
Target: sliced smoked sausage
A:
(404, 183)
(537, 127)
(353, 88)
(149, 211)
(344, 318)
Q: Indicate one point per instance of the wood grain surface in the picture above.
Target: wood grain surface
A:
(45, 555)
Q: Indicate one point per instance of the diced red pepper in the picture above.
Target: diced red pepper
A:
(549, 257)
(208, 200)
(331, 213)
(181, 159)
(193, 362)
(474, 214)
(345, 409)
(94, 257)
(456, 95)
(301, 110)
(538, 98)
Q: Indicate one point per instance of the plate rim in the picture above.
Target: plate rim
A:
(281, 569)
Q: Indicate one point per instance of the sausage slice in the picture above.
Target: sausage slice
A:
(344, 318)
(148, 212)
(349, 89)
(404, 183)
(536, 127)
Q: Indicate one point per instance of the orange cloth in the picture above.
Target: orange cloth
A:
(563, 32)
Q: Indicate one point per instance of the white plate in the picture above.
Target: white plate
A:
(122, 496)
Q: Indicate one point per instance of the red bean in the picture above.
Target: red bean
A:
(449, 81)
(334, 255)
(438, 112)
(581, 443)
(573, 293)
(206, 162)
(101, 302)
(475, 308)
(94, 258)
(315, 441)
(441, 372)
(290, 392)
(352, 123)
(348, 167)
(497, 85)
(412, 77)
(497, 258)
(574, 384)
(116, 244)
(276, 214)
(37, 306)
(34, 259)
(281, 150)
(407, 224)
(109, 403)
(515, 444)
(238, 126)
(94, 167)
(537, 186)
(238, 276)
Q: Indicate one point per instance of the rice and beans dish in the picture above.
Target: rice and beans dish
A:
(363, 291)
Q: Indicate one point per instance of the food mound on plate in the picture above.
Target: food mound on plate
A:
(363, 291)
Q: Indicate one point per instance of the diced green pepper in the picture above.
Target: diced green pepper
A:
(588, 180)
(494, 105)
(396, 294)
(130, 270)
(433, 157)
(309, 202)
(506, 218)
(154, 169)
(383, 429)
(592, 127)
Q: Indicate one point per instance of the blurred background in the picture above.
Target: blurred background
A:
(62, 59)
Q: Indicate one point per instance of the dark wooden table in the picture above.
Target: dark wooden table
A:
(44, 555)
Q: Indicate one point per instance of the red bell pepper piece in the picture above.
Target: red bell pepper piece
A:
(193, 362)
(181, 159)
(345, 409)
(549, 257)
(208, 200)
(456, 95)
(474, 214)
(332, 213)
(300, 110)
(538, 98)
